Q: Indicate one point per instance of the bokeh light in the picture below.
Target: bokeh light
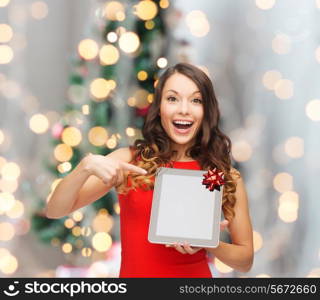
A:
(257, 241)
(114, 11)
(265, 4)
(63, 152)
(6, 33)
(241, 150)
(10, 171)
(270, 78)
(284, 89)
(283, 182)
(294, 147)
(39, 10)
(281, 44)
(6, 231)
(100, 88)
(145, 10)
(6, 54)
(197, 23)
(88, 49)
(109, 55)
(313, 110)
(71, 136)
(101, 241)
(39, 123)
(4, 3)
(288, 206)
(98, 136)
(129, 42)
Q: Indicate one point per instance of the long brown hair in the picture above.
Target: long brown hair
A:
(211, 148)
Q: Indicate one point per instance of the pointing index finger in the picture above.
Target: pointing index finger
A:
(133, 168)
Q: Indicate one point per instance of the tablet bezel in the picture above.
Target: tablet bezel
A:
(213, 242)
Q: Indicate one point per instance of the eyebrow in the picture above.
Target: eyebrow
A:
(178, 93)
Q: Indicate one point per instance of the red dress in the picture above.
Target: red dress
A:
(139, 257)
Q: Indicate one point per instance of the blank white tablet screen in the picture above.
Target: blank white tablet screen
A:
(186, 208)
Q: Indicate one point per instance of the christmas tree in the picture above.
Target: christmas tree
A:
(110, 91)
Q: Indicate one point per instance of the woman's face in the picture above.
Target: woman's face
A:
(181, 110)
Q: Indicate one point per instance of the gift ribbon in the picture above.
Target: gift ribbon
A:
(213, 179)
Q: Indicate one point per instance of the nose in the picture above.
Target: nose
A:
(184, 107)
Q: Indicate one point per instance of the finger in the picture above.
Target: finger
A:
(189, 249)
(224, 224)
(180, 249)
(167, 245)
(133, 168)
(120, 178)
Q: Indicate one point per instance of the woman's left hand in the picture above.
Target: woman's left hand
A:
(185, 248)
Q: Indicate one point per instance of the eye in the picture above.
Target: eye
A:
(197, 100)
(171, 97)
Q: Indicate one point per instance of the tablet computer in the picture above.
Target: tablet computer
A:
(184, 210)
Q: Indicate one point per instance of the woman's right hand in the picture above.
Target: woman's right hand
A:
(109, 169)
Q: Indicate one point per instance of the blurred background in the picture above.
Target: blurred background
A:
(77, 76)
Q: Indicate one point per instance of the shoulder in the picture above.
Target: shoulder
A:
(124, 154)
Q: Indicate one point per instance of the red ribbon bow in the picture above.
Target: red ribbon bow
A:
(213, 179)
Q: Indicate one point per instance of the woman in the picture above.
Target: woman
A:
(181, 130)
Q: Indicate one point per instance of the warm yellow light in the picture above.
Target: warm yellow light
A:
(64, 167)
(283, 182)
(63, 152)
(7, 201)
(85, 231)
(288, 209)
(162, 62)
(294, 147)
(101, 241)
(4, 3)
(313, 110)
(270, 78)
(130, 131)
(241, 150)
(111, 143)
(88, 49)
(86, 252)
(284, 89)
(116, 208)
(77, 216)
(6, 54)
(129, 42)
(71, 136)
(39, 10)
(109, 55)
(66, 247)
(6, 231)
(142, 75)
(145, 10)
(114, 11)
(85, 109)
(39, 123)
(197, 22)
(102, 223)
(8, 264)
(164, 4)
(257, 241)
(149, 25)
(150, 98)
(76, 231)
(263, 275)
(10, 171)
(131, 101)
(265, 4)
(9, 186)
(69, 223)
(16, 211)
(6, 33)
(221, 267)
(98, 136)
(281, 44)
(100, 88)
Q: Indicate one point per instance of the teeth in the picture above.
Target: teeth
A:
(183, 122)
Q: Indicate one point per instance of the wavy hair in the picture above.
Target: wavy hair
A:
(211, 148)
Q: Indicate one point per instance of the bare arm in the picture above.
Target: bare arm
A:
(239, 254)
(93, 177)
